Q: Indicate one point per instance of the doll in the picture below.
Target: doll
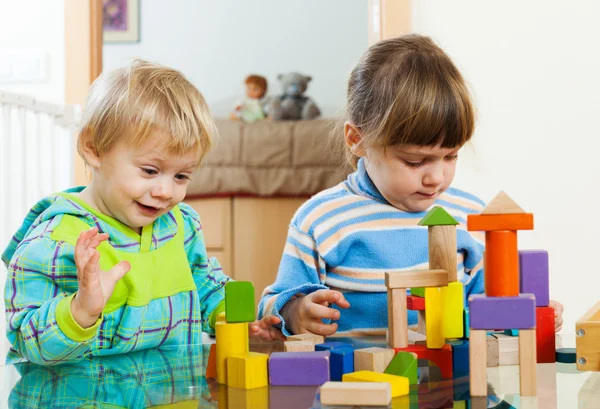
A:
(251, 108)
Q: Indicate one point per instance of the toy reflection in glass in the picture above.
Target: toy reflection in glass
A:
(251, 108)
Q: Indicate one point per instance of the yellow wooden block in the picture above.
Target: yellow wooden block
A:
(247, 371)
(452, 310)
(400, 385)
(433, 315)
(232, 339)
(245, 398)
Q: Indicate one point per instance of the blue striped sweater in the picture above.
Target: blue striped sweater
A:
(346, 237)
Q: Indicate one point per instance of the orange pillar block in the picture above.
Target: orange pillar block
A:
(501, 264)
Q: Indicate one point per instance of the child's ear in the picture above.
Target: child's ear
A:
(354, 139)
(89, 151)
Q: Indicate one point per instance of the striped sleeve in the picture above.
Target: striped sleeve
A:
(300, 272)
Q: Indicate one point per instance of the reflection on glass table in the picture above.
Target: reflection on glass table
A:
(174, 378)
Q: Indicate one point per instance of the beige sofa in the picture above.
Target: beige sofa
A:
(251, 184)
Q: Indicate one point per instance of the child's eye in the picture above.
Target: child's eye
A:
(182, 177)
(150, 171)
(452, 157)
(414, 165)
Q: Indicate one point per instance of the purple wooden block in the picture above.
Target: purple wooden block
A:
(299, 368)
(534, 275)
(502, 312)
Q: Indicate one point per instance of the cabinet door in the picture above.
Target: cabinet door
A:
(259, 234)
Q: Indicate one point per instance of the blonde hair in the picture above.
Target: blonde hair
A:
(406, 90)
(127, 104)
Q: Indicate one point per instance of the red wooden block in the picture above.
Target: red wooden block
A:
(493, 222)
(441, 357)
(211, 366)
(415, 303)
(546, 340)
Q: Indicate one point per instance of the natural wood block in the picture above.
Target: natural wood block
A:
(397, 318)
(421, 323)
(442, 250)
(588, 340)
(314, 338)
(298, 346)
(232, 339)
(356, 393)
(247, 371)
(494, 222)
(399, 384)
(478, 362)
(508, 349)
(416, 278)
(527, 362)
(372, 359)
(493, 353)
(501, 264)
(452, 310)
(502, 204)
(433, 311)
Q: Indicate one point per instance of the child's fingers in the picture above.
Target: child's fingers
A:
(317, 327)
(119, 270)
(316, 311)
(326, 296)
(268, 321)
(97, 239)
(91, 267)
(342, 302)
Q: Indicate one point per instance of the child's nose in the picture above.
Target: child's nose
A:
(163, 191)
(434, 177)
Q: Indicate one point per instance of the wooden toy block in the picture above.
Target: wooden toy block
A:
(438, 216)
(291, 397)
(298, 346)
(397, 318)
(511, 332)
(238, 398)
(501, 264)
(404, 364)
(502, 204)
(211, 366)
(414, 303)
(399, 384)
(247, 371)
(356, 393)
(341, 361)
(372, 359)
(328, 346)
(421, 322)
(497, 222)
(442, 249)
(239, 301)
(534, 275)
(232, 339)
(434, 323)
(566, 355)
(466, 322)
(502, 312)
(418, 291)
(545, 337)
(416, 278)
(460, 357)
(527, 362)
(508, 349)
(309, 368)
(588, 340)
(452, 310)
(478, 362)
(440, 357)
(314, 338)
(492, 352)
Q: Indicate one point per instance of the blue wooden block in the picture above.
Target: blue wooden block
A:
(460, 357)
(341, 361)
(511, 332)
(466, 322)
(328, 346)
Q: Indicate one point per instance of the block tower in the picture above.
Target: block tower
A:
(503, 306)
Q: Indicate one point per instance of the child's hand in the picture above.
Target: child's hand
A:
(558, 312)
(304, 314)
(263, 329)
(95, 286)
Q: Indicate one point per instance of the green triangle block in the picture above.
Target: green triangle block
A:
(418, 291)
(438, 216)
(239, 301)
(404, 364)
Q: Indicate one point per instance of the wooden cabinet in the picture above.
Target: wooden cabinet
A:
(247, 235)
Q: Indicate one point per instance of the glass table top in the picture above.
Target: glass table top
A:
(174, 378)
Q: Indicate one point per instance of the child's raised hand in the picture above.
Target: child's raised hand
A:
(558, 312)
(263, 329)
(305, 314)
(95, 286)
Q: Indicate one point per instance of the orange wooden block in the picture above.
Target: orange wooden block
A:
(501, 264)
(211, 366)
(493, 222)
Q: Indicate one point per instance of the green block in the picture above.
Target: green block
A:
(239, 301)
(438, 216)
(466, 324)
(404, 364)
(418, 291)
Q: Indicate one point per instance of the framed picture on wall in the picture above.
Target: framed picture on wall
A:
(121, 21)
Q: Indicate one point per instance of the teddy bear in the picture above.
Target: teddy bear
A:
(292, 104)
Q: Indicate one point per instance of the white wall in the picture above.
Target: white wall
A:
(534, 67)
(218, 43)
